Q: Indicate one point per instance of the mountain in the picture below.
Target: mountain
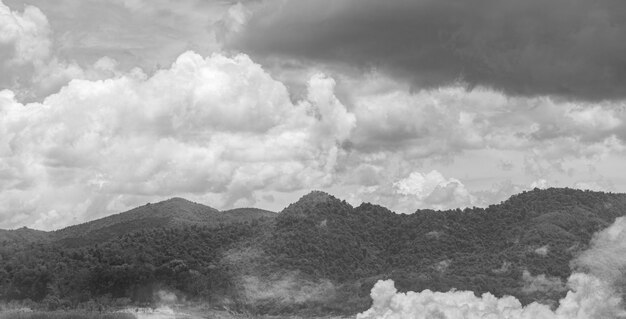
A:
(247, 214)
(318, 256)
(174, 212)
(491, 249)
(22, 235)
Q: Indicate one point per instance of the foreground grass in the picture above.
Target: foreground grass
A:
(63, 315)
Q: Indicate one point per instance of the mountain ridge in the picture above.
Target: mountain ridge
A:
(321, 256)
(180, 211)
(22, 234)
(172, 212)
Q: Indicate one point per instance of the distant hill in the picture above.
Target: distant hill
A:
(247, 214)
(22, 235)
(318, 256)
(174, 212)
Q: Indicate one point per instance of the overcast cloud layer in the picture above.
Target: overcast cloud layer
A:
(573, 48)
(99, 118)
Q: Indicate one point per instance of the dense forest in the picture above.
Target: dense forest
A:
(318, 256)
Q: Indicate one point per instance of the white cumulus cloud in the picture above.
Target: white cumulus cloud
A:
(26, 34)
(217, 125)
(434, 190)
(594, 293)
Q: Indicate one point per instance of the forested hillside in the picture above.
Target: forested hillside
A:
(319, 255)
(22, 235)
(175, 212)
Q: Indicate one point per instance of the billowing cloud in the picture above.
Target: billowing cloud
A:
(221, 128)
(49, 44)
(137, 33)
(232, 22)
(606, 256)
(24, 35)
(113, 128)
(541, 183)
(541, 283)
(595, 293)
(589, 298)
(434, 190)
(570, 48)
(415, 191)
(399, 131)
(600, 185)
(24, 43)
(205, 125)
(446, 121)
(29, 64)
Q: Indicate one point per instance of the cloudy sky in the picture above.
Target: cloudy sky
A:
(108, 104)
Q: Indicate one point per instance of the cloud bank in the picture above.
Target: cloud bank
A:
(29, 62)
(97, 116)
(222, 128)
(286, 289)
(204, 125)
(24, 43)
(564, 47)
(595, 293)
(24, 35)
(434, 189)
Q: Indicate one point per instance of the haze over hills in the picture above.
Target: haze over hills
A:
(319, 255)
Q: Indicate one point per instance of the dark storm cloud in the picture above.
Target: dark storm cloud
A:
(573, 48)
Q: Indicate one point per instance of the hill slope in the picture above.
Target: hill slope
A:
(501, 249)
(319, 255)
(22, 235)
(247, 214)
(174, 212)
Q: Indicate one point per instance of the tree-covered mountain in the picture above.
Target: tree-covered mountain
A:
(22, 235)
(319, 255)
(174, 212)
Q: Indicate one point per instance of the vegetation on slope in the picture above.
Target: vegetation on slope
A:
(175, 212)
(321, 255)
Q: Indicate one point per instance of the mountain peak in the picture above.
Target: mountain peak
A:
(174, 201)
(317, 197)
(177, 199)
(176, 206)
(317, 202)
(173, 212)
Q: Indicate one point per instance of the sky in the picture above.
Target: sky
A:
(108, 105)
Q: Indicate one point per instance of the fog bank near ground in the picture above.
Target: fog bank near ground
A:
(595, 291)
